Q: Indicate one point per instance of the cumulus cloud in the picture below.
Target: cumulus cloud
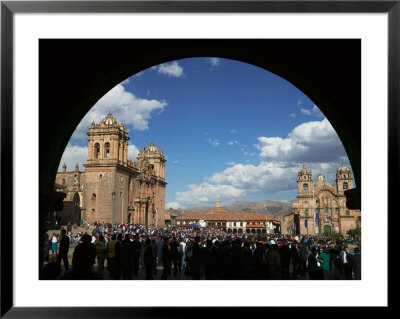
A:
(214, 61)
(233, 142)
(125, 107)
(74, 154)
(314, 144)
(170, 69)
(310, 142)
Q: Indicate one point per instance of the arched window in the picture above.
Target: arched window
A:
(347, 213)
(345, 185)
(326, 210)
(305, 187)
(93, 197)
(96, 150)
(107, 150)
(306, 212)
(63, 182)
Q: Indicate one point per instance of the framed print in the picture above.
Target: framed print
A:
(60, 58)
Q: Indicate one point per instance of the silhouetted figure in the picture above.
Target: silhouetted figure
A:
(127, 255)
(166, 259)
(83, 259)
(137, 248)
(63, 251)
(196, 259)
(118, 258)
(148, 259)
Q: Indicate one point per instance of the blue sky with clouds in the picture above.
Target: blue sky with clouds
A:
(230, 131)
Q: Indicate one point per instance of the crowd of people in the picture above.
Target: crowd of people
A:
(122, 250)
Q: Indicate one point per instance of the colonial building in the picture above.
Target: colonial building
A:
(114, 188)
(220, 218)
(320, 207)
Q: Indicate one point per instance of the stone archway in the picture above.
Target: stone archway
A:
(101, 64)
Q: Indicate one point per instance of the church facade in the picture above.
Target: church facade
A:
(320, 207)
(113, 188)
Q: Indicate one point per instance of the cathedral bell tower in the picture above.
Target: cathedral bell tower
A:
(304, 181)
(108, 142)
(344, 179)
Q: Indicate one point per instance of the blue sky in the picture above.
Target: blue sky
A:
(230, 131)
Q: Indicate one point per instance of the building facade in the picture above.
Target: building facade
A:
(320, 207)
(221, 219)
(113, 188)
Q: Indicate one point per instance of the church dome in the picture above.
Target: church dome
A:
(152, 148)
(343, 169)
(304, 171)
(109, 120)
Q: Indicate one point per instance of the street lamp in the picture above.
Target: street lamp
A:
(112, 221)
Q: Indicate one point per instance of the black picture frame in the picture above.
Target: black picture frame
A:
(9, 8)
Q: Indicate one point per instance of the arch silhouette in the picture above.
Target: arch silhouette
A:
(328, 71)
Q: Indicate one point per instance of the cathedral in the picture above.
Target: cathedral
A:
(320, 207)
(113, 188)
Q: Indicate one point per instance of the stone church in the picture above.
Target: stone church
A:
(112, 187)
(320, 207)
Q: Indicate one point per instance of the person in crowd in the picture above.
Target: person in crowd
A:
(118, 257)
(346, 258)
(148, 260)
(154, 251)
(356, 263)
(315, 272)
(137, 248)
(166, 258)
(196, 259)
(46, 248)
(54, 244)
(273, 262)
(111, 255)
(325, 263)
(174, 254)
(83, 259)
(101, 253)
(64, 248)
(127, 255)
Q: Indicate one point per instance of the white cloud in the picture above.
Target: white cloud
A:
(173, 205)
(292, 114)
(125, 107)
(215, 61)
(232, 131)
(133, 152)
(74, 154)
(207, 193)
(213, 142)
(233, 142)
(170, 69)
(314, 144)
(310, 142)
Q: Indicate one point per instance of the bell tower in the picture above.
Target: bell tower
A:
(344, 179)
(304, 181)
(108, 142)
